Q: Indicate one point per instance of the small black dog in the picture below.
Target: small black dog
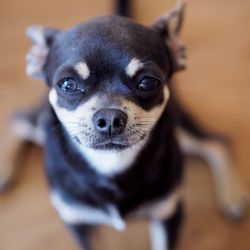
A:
(114, 135)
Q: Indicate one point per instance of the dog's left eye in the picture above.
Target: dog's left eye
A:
(68, 85)
(148, 84)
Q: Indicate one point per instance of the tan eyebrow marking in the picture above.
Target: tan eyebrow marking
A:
(82, 69)
(133, 66)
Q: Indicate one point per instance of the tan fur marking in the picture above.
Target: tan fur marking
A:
(162, 209)
(82, 69)
(133, 66)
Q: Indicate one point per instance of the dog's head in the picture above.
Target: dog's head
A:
(108, 77)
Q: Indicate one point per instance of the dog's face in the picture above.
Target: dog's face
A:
(108, 77)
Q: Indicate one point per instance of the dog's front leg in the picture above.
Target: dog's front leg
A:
(82, 233)
(164, 233)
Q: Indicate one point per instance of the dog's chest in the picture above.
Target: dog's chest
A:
(73, 213)
(79, 213)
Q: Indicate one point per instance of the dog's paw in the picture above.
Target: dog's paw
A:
(8, 163)
(235, 203)
(6, 177)
(236, 210)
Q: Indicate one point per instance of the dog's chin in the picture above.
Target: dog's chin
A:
(109, 146)
(115, 144)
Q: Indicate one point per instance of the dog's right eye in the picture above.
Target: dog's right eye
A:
(68, 85)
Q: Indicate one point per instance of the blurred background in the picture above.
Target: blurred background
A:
(216, 87)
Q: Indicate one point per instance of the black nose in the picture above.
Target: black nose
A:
(110, 121)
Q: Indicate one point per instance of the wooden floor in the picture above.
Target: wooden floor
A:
(216, 87)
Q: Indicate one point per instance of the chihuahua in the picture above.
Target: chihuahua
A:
(113, 132)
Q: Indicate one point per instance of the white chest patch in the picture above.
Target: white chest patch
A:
(76, 213)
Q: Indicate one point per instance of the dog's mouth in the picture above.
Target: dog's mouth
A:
(88, 138)
(111, 143)
(110, 146)
(116, 143)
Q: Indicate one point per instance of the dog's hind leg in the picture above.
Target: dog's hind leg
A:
(29, 126)
(231, 196)
(10, 147)
(24, 127)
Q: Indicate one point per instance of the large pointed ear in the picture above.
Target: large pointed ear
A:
(42, 39)
(169, 27)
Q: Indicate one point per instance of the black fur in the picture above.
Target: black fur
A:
(82, 233)
(123, 8)
(172, 226)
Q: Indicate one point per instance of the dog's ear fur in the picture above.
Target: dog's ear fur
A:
(42, 38)
(169, 27)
